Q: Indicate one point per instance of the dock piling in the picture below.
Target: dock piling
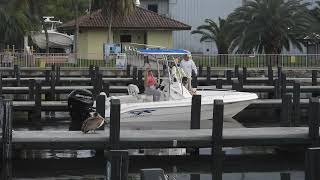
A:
(134, 75)
(208, 75)
(194, 82)
(314, 120)
(236, 71)
(283, 84)
(217, 130)
(1, 84)
(285, 176)
(119, 164)
(6, 115)
(101, 106)
(312, 164)
(219, 83)
(37, 108)
(128, 70)
(195, 116)
(229, 76)
(270, 75)
(115, 124)
(200, 71)
(244, 74)
(286, 110)
(106, 88)
(296, 104)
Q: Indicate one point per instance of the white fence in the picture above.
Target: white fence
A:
(221, 60)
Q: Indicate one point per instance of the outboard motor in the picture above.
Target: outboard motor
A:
(80, 102)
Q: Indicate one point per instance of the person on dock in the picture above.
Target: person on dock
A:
(188, 67)
(150, 85)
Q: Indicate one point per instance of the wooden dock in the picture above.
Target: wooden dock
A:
(140, 139)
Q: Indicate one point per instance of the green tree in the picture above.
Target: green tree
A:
(216, 33)
(112, 9)
(15, 23)
(268, 26)
(315, 28)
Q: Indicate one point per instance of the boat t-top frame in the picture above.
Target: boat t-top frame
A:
(164, 53)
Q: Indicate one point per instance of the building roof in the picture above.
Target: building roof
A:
(141, 19)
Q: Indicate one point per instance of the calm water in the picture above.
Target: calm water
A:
(240, 163)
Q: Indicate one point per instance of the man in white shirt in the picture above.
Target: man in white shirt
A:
(188, 66)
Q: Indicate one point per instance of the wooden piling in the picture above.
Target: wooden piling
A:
(285, 176)
(236, 70)
(140, 80)
(312, 164)
(277, 89)
(244, 74)
(217, 130)
(229, 76)
(208, 75)
(101, 107)
(219, 83)
(52, 86)
(279, 72)
(128, 71)
(37, 108)
(296, 104)
(17, 75)
(134, 75)
(194, 82)
(6, 146)
(195, 116)
(241, 81)
(314, 120)
(194, 176)
(6, 112)
(270, 75)
(32, 83)
(283, 84)
(47, 77)
(1, 85)
(200, 71)
(314, 77)
(286, 110)
(96, 71)
(235, 85)
(119, 164)
(106, 88)
(91, 71)
(115, 123)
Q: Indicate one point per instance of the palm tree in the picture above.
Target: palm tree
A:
(216, 33)
(315, 29)
(113, 8)
(268, 26)
(15, 23)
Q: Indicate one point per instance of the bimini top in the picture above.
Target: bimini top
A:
(163, 51)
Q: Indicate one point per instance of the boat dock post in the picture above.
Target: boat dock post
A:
(6, 155)
(217, 153)
(118, 159)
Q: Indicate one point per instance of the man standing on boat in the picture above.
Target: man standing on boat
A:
(188, 66)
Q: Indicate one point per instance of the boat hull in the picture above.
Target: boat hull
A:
(175, 118)
(56, 40)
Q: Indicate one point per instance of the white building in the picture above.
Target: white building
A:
(193, 13)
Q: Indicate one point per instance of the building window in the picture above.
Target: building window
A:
(125, 38)
(153, 7)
